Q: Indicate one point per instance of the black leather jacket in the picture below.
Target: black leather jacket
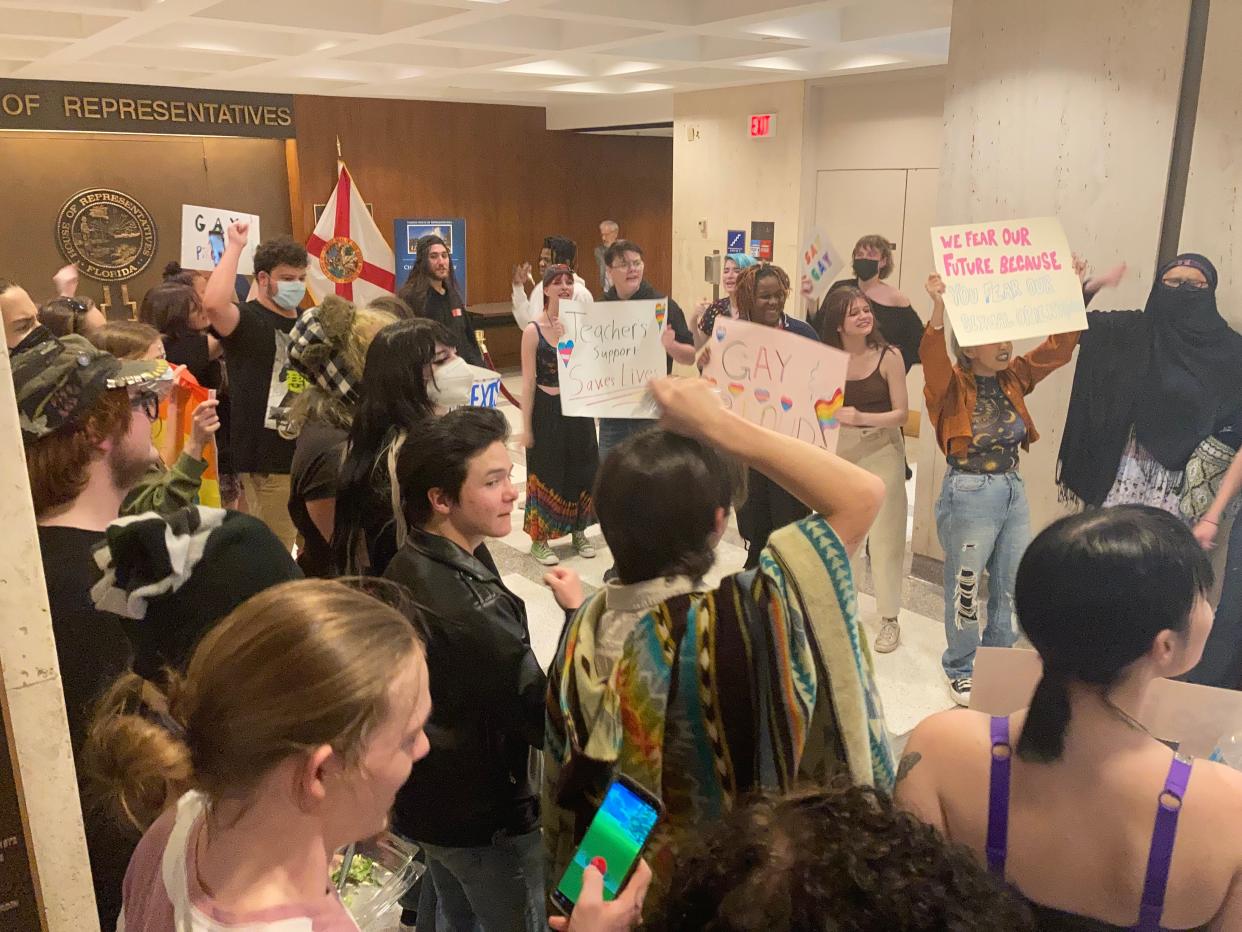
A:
(487, 694)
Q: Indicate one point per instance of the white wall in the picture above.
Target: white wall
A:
(726, 179)
(1063, 108)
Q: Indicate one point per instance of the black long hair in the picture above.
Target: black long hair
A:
(392, 402)
(1093, 591)
(414, 291)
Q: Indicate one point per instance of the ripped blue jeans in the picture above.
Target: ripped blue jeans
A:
(983, 524)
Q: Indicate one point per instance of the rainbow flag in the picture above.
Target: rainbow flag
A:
(172, 431)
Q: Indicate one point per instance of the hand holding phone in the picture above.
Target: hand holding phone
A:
(612, 844)
(593, 914)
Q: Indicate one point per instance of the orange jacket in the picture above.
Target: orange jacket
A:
(950, 390)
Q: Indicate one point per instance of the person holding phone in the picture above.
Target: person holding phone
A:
(764, 645)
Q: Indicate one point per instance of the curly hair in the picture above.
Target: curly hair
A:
(283, 250)
(827, 859)
(748, 286)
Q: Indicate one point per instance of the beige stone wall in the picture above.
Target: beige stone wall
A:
(1059, 108)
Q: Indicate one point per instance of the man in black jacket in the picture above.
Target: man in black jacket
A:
(470, 802)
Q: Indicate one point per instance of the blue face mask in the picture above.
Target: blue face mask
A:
(289, 294)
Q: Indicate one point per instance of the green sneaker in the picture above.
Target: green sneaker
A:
(543, 553)
(582, 546)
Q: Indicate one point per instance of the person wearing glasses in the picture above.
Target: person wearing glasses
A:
(1152, 386)
(86, 421)
(625, 265)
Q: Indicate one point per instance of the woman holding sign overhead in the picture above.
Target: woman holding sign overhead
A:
(982, 424)
(561, 452)
(875, 408)
(761, 293)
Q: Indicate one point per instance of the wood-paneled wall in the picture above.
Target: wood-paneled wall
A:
(162, 172)
(514, 181)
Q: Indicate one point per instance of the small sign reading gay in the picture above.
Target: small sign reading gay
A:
(778, 379)
(1008, 280)
(610, 351)
(821, 261)
(203, 237)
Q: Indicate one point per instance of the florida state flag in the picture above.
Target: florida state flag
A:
(348, 254)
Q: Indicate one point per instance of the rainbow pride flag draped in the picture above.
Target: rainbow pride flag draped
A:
(172, 431)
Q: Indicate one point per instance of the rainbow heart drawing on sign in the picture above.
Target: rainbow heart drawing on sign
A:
(660, 314)
(720, 334)
(762, 395)
(566, 349)
(826, 411)
(786, 402)
(736, 388)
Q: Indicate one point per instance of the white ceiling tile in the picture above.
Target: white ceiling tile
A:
(533, 52)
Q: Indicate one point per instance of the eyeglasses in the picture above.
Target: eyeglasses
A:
(1183, 283)
(622, 266)
(148, 403)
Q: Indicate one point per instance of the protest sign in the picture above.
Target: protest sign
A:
(203, 237)
(821, 262)
(1008, 280)
(791, 384)
(485, 388)
(608, 354)
(1188, 715)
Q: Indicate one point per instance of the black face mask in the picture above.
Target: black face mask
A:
(866, 269)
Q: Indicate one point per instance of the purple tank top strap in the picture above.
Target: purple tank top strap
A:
(998, 796)
(1160, 856)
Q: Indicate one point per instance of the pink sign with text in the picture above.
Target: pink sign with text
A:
(777, 379)
(1008, 280)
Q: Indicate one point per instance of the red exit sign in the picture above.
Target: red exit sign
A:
(762, 125)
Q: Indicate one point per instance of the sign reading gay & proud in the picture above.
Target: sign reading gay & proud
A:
(778, 379)
(1008, 280)
(608, 354)
(203, 237)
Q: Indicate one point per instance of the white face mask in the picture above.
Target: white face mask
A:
(450, 384)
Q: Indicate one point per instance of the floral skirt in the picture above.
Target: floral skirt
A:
(560, 471)
(1141, 480)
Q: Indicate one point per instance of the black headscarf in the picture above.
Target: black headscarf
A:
(1195, 375)
(1173, 374)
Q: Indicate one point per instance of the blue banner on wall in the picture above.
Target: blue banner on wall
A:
(406, 234)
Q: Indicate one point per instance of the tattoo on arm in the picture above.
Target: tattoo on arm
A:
(908, 762)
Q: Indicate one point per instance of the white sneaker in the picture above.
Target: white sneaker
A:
(543, 553)
(959, 688)
(889, 637)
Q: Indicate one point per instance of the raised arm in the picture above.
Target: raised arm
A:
(937, 366)
(848, 496)
(218, 296)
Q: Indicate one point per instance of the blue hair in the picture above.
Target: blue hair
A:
(741, 260)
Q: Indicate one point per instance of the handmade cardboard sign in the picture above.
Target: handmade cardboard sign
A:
(1008, 280)
(791, 384)
(821, 261)
(1191, 717)
(608, 354)
(203, 237)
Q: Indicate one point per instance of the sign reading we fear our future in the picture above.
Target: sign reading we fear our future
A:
(777, 379)
(1008, 280)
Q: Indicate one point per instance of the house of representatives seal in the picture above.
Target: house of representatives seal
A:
(106, 233)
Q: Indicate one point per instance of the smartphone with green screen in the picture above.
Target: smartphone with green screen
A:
(616, 835)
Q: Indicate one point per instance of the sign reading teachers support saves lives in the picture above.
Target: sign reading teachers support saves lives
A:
(608, 354)
(777, 379)
(1008, 280)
